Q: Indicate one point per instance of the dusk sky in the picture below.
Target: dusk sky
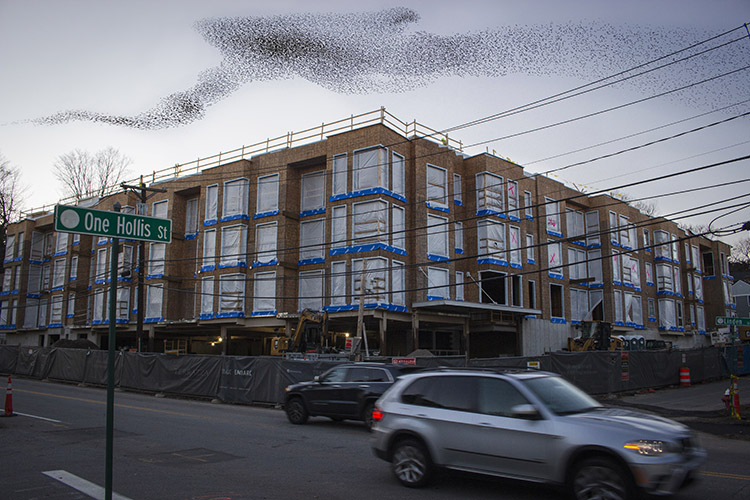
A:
(170, 81)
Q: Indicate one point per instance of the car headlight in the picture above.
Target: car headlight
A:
(648, 448)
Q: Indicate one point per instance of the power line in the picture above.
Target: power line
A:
(504, 212)
(506, 250)
(601, 80)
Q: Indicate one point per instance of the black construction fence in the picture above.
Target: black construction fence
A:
(242, 379)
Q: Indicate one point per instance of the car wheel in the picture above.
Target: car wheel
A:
(411, 463)
(296, 411)
(367, 415)
(600, 478)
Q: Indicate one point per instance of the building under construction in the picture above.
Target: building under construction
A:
(444, 252)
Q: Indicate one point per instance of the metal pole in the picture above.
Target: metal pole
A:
(141, 190)
(141, 274)
(360, 320)
(111, 363)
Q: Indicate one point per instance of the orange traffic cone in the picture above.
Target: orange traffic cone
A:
(9, 400)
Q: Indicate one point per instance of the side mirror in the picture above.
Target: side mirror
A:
(526, 411)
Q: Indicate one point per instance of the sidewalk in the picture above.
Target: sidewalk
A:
(698, 406)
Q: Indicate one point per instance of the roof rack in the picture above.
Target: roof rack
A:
(489, 369)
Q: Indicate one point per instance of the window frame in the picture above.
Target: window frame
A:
(312, 245)
(267, 199)
(241, 198)
(315, 282)
(358, 182)
(211, 215)
(437, 237)
(314, 202)
(442, 200)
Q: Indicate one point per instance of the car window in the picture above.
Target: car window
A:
(362, 374)
(497, 397)
(448, 392)
(560, 396)
(335, 375)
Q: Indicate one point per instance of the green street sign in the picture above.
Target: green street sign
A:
(731, 321)
(112, 224)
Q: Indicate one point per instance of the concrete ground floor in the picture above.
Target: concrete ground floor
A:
(445, 329)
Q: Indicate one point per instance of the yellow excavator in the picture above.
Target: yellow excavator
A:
(310, 336)
(595, 336)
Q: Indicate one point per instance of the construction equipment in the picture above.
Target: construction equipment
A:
(311, 336)
(595, 336)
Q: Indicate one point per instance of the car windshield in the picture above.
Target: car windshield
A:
(560, 396)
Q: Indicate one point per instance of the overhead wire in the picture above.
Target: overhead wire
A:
(539, 204)
(503, 274)
(276, 167)
(449, 285)
(503, 212)
(598, 234)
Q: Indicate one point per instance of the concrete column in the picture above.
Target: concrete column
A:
(415, 331)
(224, 340)
(151, 337)
(383, 324)
(467, 337)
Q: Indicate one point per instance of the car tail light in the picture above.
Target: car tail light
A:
(377, 414)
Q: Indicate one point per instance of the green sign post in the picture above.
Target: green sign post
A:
(113, 225)
(732, 321)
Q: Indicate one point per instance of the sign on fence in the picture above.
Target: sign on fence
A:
(404, 361)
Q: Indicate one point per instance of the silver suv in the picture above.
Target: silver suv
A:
(528, 425)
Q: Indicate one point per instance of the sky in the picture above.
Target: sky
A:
(170, 81)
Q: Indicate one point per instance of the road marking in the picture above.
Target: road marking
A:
(80, 484)
(38, 417)
(726, 475)
(131, 407)
(85, 400)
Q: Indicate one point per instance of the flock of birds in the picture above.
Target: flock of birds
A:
(378, 52)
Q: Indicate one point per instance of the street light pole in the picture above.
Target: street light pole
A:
(111, 362)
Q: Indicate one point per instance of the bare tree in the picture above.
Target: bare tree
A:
(11, 199)
(741, 252)
(645, 207)
(83, 174)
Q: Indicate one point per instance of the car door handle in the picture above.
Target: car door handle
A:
(486, 424)
(336, 385)
(364, 386)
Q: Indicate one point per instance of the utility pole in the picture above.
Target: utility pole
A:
(361, 330)
(141, 191)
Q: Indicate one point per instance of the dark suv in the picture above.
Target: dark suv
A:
(347, 391)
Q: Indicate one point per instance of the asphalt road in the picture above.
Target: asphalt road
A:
(189, 450)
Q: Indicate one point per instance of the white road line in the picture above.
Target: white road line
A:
(38, 418)
(85, 487)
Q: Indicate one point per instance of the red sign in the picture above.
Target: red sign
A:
(404, 361)
(348, 343)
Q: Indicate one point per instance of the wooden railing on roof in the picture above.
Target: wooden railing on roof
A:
(291, 139)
